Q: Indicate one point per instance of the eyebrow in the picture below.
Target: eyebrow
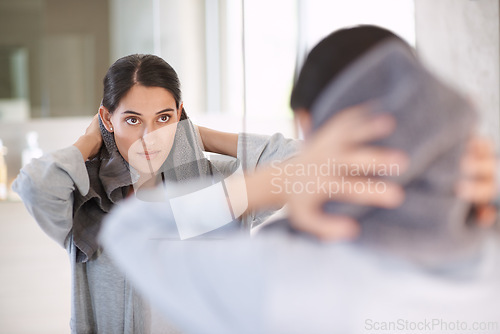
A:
(139, 114)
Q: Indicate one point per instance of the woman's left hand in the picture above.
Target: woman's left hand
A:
(90, 143)
(478, 182)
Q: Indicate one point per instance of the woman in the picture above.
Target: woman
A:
(69, 191)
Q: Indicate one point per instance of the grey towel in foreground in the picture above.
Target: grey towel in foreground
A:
(433, 125)
(110, 177)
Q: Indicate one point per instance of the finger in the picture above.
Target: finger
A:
(376, 127)
(475, 191)
(480, 146)
(368, 128)
(486, 215)
(357, 113)
(371, 161)
(353, 115)
(475, 167)
(357, 124)
(366, 191)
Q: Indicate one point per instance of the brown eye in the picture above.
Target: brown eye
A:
(132, 121)
(163, 118)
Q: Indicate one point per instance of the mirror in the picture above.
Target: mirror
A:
(52, 56)
(56, 52)
(14, 90)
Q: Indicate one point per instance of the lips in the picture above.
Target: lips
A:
(148, 155)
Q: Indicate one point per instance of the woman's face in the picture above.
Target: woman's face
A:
(144, 125)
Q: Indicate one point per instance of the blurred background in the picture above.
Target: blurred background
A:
(236, 61)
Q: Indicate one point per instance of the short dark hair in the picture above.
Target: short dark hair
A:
(139, 69)
(330, 56)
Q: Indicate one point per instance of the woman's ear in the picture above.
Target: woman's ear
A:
(303, 117)
(106, 118)
(179, 111)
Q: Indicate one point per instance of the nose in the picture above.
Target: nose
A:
(149, 135)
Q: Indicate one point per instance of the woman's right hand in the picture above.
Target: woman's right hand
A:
(90, 143)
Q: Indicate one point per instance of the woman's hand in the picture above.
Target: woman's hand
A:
(478, 182)
(90, 143)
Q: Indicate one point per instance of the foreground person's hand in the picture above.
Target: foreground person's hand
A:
(342, 141)
(478, 181)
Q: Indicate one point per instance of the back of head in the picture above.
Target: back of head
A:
(331, 56)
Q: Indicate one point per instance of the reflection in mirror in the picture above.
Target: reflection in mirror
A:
(53, 54)
(14, 94)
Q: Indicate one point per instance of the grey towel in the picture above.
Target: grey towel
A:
(433, 124)
(110, 177)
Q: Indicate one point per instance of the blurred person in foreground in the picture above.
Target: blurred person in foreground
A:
(422, 266)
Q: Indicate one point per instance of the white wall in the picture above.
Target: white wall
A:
(182, 45)
(131, 28)
(459, 39)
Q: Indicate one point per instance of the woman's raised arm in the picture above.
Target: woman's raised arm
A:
(219, 142)
(46, 185)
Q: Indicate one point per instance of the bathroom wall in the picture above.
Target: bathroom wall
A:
(459, 40)
(67, 47)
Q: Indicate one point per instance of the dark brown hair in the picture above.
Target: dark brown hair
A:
(332, 55)
(139, 69)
